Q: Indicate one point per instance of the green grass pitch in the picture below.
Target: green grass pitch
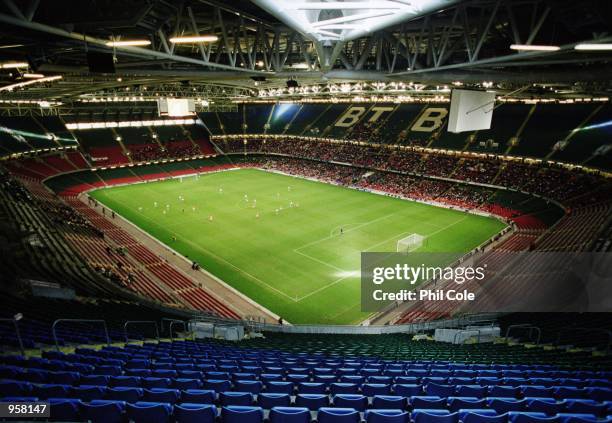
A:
(295, 261)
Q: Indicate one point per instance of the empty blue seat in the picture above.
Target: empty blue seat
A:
(108, 370)
(372, 389)
(504, 391)
(481, 416)
(218, 385)
(503, 405)
(600, 394)
(343, 388)
(387, 416)
(427, 402)
(137, 364)
(530, 417)
(312, 401)
(198, 396)
(166, 373)
(241, 414)
(138, 372)
(326, 379)
(539, 391)
(235, 398)
(406, 390)
(103, 411)
(279, 387)
(269, 400)
(187, 412)
(124, 394)
(477, 391)
(19, 399)
(434, 416)
(439, 390)
(52, 391)
(14, 387)
(289, 415)
(584, 406)
(65, 409)
(128, 381)
(183, 384)
(338, 415)
(353, 379)
(459, 403)
(549, 406)
(389, 402)
(297, 377)
(268, 377)
(580, 418)
(190, 374)
(64, 378)
(146, 412)
(252, 386)
(387, 380)
(356, 401)
(562, 392)
(97, 380)
(170, 396)
(243, 376)
(156, 382)
(36, 376)
(88, 393)
(311, 388)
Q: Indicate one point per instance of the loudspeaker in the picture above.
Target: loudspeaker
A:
(100, 62)
(470, 110)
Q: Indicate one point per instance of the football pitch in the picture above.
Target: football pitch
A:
(290, 244)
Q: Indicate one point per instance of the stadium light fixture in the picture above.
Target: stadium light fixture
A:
(33, 81)
(194, 39)
(14, 65)
(128, 43)
(593, 47)
(534, 47)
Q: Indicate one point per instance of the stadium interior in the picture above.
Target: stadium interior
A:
(189, 191)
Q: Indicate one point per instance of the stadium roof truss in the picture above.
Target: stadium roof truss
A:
(264, 43)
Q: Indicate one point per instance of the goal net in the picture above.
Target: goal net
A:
(410, 243)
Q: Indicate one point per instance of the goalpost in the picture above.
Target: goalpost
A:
(410, 243)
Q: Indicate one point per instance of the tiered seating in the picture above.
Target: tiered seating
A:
(577, 229)
(60, 163)
(212, 123)
(136, 256)
(397, 126)
(40, 313)
(309, 113)
(196, 381)
(77, 159)
(280, 119)
(107, 156)
(549, 124)
(256, 117)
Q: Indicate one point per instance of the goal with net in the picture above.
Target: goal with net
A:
(410, 243)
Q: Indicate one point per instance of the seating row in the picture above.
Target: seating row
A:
(110, 411)
(268, 400)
